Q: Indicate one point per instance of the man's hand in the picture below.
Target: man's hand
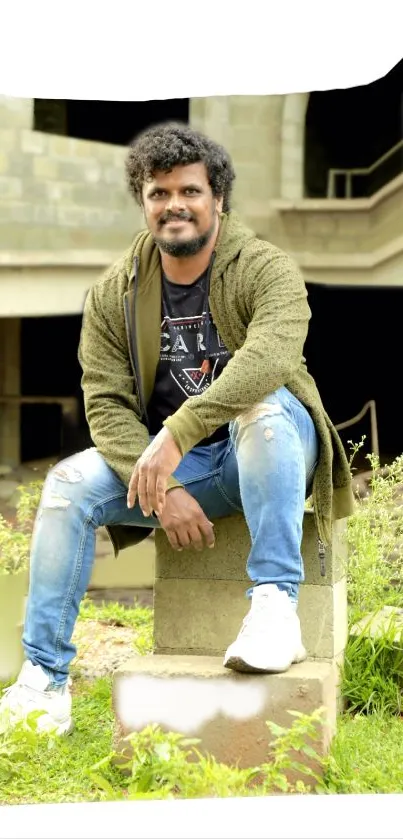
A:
(184, 521)
(151, 472)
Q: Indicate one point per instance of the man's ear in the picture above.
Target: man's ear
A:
(219, 204)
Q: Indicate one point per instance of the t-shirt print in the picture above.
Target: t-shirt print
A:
(183, 349)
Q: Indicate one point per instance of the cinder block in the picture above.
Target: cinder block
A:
(323, 615)
(227, 561)
(34, 142)
(10, 187)
(198, 617)
(16, 112)
(200, 598)
(8, 138)
(45, 167)
(203, 617)
(335, 553)
(198, 697)
(4, 162)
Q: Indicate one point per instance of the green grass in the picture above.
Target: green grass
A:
(366, 755)
(56, 771)
(115, 614)
(138, 618)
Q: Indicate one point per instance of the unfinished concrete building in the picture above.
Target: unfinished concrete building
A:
(321, 175)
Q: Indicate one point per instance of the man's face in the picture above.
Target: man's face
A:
(180, 209)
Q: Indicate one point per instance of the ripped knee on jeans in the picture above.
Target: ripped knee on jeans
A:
(66, 474)
(259, 411)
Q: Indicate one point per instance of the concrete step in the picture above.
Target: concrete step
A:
(197, 697)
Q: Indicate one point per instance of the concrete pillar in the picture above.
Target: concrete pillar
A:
(293, 146)
(10, 352)
(250, 129)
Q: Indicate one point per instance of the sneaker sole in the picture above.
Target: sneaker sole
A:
(65, 729)
(242, 666)
(60, 730)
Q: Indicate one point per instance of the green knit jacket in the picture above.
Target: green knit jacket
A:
(258, 301)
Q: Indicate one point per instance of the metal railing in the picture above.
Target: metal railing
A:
(69, 404)
(371, 407)
(349, 174)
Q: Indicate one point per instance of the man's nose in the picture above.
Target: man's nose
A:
(175, 202)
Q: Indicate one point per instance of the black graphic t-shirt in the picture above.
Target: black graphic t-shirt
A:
(182, 352)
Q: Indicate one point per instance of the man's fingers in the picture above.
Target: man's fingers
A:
(196, 536)
(160, 492)
(132, 490)
(207, 529)
(156, 488)
(143, 494)
(178, 537)
(173, 540)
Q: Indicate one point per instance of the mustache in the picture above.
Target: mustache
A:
(166, 217)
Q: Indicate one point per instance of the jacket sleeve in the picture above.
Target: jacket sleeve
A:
(110, 397)
(269, 358)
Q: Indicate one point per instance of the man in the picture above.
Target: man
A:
(199, 404)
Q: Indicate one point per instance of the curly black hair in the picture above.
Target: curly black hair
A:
(175, 144)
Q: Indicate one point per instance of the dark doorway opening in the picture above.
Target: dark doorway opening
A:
(106, 122)
(120, 122)
(50, 367)
(353, 351)
(353, 128)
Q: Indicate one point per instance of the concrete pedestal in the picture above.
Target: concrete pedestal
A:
(199, 602)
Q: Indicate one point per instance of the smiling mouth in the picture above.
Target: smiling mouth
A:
(176, 222)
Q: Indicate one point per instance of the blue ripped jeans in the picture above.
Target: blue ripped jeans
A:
(265, 469)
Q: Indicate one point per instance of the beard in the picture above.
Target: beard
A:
(189, 247)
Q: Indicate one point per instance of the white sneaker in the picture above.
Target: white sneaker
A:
(30, 693)
(270, 637)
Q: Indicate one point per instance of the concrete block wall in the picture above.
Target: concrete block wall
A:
(58, 193)
(350, 226)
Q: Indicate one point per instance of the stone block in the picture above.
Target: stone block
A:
(11, 234)
(34, 142)
(16, 112)
(335, 553)
(59, 192)
(8, 138)
(45, 167)
(200, 598)
(198, 617)
(227, 561)
(227, 711)
(323, 615)
(16, 212)
(4, 162)
(202, 617)
(10, 187)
